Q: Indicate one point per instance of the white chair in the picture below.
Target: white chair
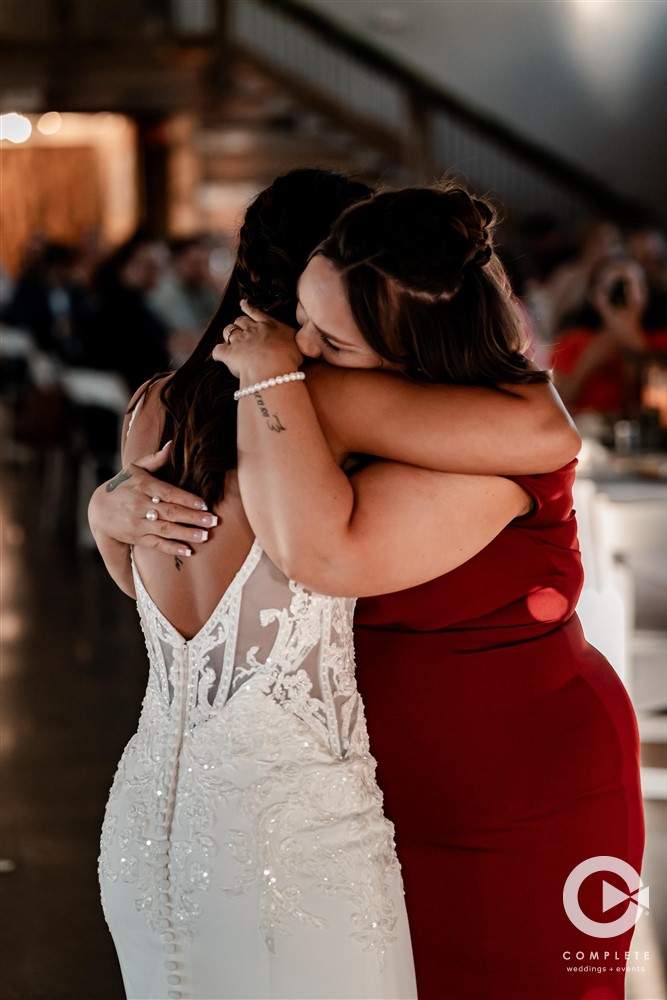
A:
(630, 545)
(607, 600)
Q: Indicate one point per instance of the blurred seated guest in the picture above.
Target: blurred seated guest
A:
(602, 348)
(33, 249)
(648, 246)
(6, 286)
(565, 286)
(50, 301)
(544, 246)
(92, 250)
(185, 297)
(123, 334)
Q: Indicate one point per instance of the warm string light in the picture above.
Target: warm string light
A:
(50, 123)
(15, 128)
(18, 128)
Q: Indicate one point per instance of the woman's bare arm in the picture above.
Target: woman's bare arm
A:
(448, 428)
(391, 527)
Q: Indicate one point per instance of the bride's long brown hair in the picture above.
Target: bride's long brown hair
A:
(282, 227)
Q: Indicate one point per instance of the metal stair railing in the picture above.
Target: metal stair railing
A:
(427, 128)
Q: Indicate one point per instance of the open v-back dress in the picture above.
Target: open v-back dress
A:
(245, 852)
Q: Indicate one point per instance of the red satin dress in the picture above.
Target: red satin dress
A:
(508, 754)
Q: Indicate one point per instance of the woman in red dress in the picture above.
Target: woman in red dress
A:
(507, 753)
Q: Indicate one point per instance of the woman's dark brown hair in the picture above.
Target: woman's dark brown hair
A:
(426, 288)
(281, 228)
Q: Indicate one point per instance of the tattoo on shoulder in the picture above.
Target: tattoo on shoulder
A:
(178, 562)
(117, 480)
(273, 421)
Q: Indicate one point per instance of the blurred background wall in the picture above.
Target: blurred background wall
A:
(550, 106)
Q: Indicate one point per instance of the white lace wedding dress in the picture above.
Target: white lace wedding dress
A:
(244, 848)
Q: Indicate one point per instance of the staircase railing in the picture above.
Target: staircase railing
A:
(429, 129)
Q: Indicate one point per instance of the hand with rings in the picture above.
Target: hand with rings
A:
(151, 513)
(126, 509)
(257, 345)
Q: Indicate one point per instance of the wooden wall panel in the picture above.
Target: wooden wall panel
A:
(56, 191)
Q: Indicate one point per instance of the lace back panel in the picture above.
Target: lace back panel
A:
(295, 644)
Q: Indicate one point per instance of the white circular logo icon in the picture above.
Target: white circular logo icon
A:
(636, 897)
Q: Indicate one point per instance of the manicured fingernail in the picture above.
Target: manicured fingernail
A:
(210, 520)
(200, 536)
(184, 552)
(166, 444)
(200, 505)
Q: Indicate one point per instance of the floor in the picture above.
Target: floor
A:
(72, 681)
(73, 673)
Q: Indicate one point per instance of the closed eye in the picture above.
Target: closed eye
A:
(328, 344)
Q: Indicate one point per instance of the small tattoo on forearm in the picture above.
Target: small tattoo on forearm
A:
(262, 408)
(178, 562)
(117, 480)
(275, 425)
(272, 419)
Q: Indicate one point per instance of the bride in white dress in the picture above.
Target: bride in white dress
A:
(244, 849)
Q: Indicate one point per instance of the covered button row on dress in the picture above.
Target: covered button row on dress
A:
(169, 945)
(164, 884)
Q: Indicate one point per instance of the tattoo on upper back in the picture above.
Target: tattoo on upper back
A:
(272, 419)
(117, 480)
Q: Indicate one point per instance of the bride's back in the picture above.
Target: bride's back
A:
(186, 590)
(232, 615)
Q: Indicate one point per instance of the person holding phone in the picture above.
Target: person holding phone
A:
(597, 361)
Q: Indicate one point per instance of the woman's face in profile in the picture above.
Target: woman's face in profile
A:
(327, 326)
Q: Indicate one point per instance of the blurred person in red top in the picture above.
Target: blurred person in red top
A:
(563, 288)
(599, 356)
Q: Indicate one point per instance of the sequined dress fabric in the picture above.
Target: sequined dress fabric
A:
(244, 851)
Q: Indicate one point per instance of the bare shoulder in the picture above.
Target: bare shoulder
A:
(145, 421)
(149, 388)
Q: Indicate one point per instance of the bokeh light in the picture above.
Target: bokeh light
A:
(15, 127)
(50, 123)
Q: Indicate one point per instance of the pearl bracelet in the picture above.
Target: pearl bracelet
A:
(268, 383)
